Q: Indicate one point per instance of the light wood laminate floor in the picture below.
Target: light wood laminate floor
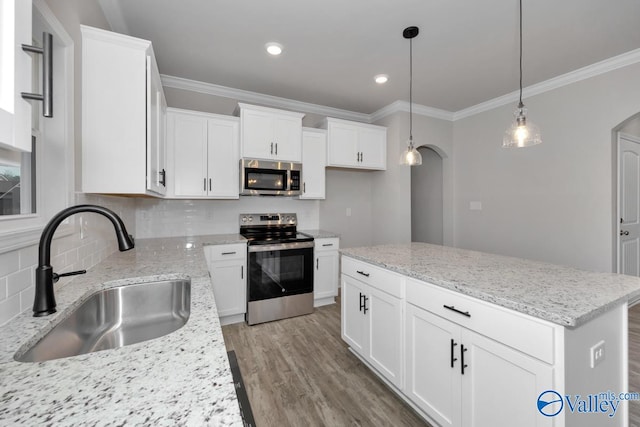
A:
(634, 363)
(299, 372)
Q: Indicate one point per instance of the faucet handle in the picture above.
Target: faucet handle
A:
(57, 276)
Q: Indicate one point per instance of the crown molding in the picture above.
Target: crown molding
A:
(259, 98)
(403, 106)
(605, 66)
(113, 13)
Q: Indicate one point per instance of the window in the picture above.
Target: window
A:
(18, 181)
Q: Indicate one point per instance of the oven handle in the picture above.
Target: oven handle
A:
(280, 246)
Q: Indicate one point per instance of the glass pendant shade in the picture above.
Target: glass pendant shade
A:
(522, 132)
(411, 156)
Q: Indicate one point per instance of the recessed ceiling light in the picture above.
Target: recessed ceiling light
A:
(381, 78)
(274, 48)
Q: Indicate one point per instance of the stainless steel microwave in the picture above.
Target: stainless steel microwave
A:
(263, 177)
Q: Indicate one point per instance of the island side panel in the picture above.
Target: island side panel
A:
(609, 375)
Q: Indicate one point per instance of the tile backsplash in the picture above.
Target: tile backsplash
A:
(68, 253)
(168, 218)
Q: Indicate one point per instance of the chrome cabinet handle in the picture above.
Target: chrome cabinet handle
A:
(624, 233)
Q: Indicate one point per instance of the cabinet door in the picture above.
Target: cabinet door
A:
(342, 140)
(354, 325)
(155, 129)
(325, 278)
(223, 159)
(433, 365)
(372, 144)
(500, 385)
(257, 138)
(287, 137)
(189, 134)
(229, 286)
(384, 316)
(314, 160)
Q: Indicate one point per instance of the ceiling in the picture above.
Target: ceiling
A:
(466, 52)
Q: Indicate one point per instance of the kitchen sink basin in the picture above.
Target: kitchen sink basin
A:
(116, 317)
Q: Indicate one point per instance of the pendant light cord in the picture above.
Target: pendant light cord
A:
(411, 91)
(520, 105)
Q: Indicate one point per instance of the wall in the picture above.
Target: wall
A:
(552, 202)
(426, 198)
(69, 251)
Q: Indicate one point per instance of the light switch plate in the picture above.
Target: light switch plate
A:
(475, 206)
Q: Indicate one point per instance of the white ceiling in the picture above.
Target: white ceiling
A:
(466, 52)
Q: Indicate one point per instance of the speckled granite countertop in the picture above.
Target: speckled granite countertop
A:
(180, 379)
(319, 234)
(562, 295)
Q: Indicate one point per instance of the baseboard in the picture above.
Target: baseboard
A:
(324, 301)
(229, 320)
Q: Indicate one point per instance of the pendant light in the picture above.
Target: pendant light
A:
(522, 132)
(410, 156)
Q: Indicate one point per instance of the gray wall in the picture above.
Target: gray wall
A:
(426, 198)
(555, 201)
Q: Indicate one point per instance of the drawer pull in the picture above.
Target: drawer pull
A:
(452, 308)
(327, 244)
(229, 253)
(363, 273)
(453, 359)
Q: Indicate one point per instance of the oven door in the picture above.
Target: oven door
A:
(280, 270)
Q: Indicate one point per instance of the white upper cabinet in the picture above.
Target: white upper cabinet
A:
(356, 145)
(123, 109)
(314, 161)
(267, 133)
(15, 74)
(205, 155)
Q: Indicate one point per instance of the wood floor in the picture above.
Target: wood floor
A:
(299, 372)
(634, 363)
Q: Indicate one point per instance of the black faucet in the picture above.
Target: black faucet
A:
(45, 301)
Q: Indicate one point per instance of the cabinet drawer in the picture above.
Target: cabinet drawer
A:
(377, 277)
(331, 244)
(225, 252)
(525, 333)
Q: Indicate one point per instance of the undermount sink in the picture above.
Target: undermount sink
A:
(116, 317)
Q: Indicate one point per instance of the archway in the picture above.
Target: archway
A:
(427, 204)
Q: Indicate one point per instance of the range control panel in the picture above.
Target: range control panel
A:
(269, 219)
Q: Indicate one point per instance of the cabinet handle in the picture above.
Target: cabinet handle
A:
(327, 244)
(276, 148)
(209, 184)
(462, 364)
(163, 177)
(317, 260)
(228, 253)
(361, 156)
(304, 187)
(272, 148)
(361, 304)
(204, 180)
(365, 303)
(453, 359)
(363, 273)
(452, 308)
(242, 271)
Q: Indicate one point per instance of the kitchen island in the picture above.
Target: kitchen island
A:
(469, 338)
(182, 378)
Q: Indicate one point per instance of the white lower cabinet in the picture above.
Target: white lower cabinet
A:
(371, 320)
(227, 267)
(326, 274)
(457, 376)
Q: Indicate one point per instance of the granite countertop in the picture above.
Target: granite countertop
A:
(223, 239)
(562, 295)
(319, 234)
(180, 379)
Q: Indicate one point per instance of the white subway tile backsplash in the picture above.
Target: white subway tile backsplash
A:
(9, 308)
(3, 288)
(19, 281)
(28, 256)
(9, 263)
(26, 298)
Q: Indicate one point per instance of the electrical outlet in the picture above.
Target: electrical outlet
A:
(597, 354)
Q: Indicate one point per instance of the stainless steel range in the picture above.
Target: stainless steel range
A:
(280, 267)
